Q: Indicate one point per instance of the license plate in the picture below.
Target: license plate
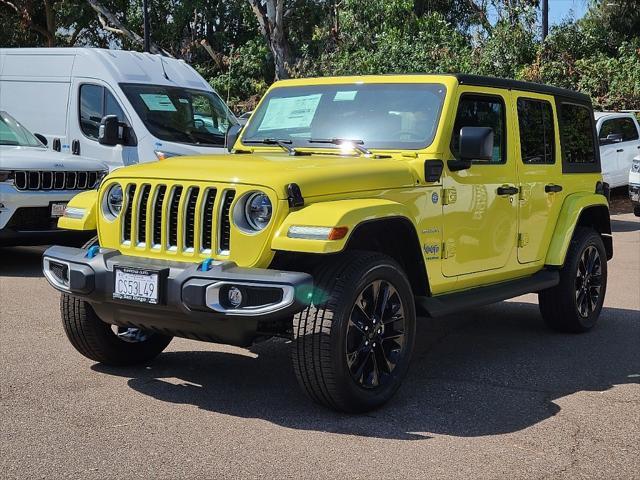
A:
(57, 209)
(136, 285)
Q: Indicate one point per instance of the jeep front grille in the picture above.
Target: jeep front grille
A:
(46, 180)
(177, 218)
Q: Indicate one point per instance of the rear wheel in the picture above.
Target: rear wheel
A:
(353, 344)
(574, 304)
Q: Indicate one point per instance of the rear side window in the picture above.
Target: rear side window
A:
(618, 126)
(576, 133)
(482, 111)
(537, 139)
(96, 102)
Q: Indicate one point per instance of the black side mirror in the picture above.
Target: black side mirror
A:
(476, 143)
(232, 135)
(111, 131)
(42, 138)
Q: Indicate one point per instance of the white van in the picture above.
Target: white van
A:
(71, 95)
(619, 136)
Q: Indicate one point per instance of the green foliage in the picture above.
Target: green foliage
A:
(599, 54)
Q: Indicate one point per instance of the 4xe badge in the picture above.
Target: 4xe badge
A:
(434, 197)
(432, 251)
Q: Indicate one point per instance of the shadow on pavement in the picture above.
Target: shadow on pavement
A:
(625, 225)
(492, 371)
(21, 261)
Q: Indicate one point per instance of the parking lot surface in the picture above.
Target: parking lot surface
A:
(491, 393)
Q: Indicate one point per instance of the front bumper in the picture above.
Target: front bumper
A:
(190, 303)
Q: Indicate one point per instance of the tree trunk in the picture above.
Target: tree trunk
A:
(270, 16)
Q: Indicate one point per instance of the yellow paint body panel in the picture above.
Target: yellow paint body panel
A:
(468, 235)
(87, 201)
(566, 224)
(343, 213)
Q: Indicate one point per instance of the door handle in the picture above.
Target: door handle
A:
(551, 188)
(620, 150)
(507, 190)
(75, 147)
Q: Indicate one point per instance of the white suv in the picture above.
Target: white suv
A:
(36, 184)
(619, 135)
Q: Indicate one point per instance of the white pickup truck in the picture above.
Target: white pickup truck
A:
(35, 185)
(619, 136)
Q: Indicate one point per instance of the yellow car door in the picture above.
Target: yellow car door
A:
(539, 173)
(480, 203)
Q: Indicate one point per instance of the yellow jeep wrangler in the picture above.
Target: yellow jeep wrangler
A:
(345, 207)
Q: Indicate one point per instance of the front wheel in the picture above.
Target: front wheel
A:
(104, 343)
(353, 344)
(574, 304)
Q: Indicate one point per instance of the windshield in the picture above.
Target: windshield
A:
(383, 116)
(180, 114)
(12, 133)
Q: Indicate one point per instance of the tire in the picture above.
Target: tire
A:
(570, 306)
(337, 348)
(96, 340)
(636, 210)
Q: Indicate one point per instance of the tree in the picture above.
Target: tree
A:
(39, 17)
(270, 15)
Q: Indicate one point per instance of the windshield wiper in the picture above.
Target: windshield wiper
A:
(356, 144)
(284, 144)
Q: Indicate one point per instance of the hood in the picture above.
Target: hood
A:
(34, 158)
(315, 174)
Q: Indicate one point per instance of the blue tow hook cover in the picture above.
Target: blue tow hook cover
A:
(93, 251)
(205, 266)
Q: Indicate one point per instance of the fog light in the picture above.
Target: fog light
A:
(234, 295)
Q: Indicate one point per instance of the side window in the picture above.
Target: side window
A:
(482, 111)
(90, 109)
(625, 128)
(537, 140)
(95, 103)
(576, 132)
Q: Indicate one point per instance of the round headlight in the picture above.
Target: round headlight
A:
(258, 210)
(114, 200)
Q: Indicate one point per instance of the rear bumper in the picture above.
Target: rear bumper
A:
(191, 302)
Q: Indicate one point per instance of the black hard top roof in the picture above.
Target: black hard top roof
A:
(482, 81)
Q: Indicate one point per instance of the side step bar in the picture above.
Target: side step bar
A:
(455, 302)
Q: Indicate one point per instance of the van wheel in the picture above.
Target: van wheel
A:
(104, 343)
(353, 344)
(574, 304)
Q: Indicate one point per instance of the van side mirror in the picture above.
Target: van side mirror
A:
(111, 131)
(42, 138)
(233, 132)
(476, 143)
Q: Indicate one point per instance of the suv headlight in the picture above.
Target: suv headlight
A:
(253, 212)
(112, 204)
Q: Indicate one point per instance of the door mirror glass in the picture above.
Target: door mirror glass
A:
(233, 133)
(111, 131)
(476, 143)
(42, 138)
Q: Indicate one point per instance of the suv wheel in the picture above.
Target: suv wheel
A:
(575, 303)
(353, 344)
(106, 343)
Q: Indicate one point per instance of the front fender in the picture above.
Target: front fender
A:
(572, 208)
(338, 213)
(84, 203)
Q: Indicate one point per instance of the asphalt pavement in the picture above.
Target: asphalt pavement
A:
(491, 393)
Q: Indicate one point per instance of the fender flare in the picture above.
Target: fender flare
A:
(337, 213)
(86, 201)
(571, 214)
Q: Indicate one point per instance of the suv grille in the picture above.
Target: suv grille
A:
(152, 217)
(45, 180)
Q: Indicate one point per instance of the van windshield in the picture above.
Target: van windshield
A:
(382, 115)
(181, 115)
(14, 134)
